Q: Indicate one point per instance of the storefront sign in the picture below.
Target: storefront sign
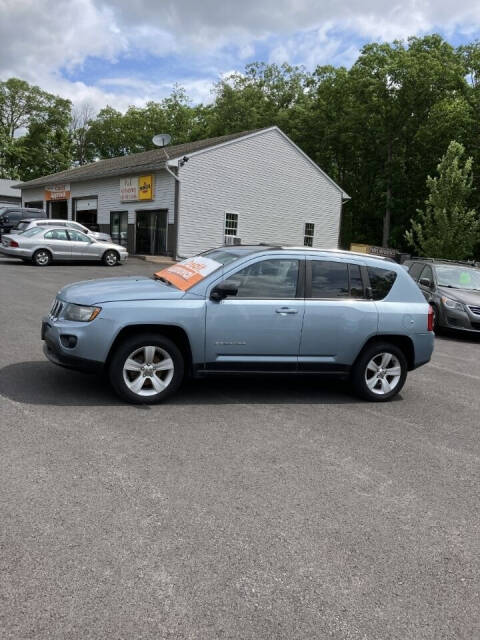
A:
(57, 192)
(188, 272)
(137, 188)
(374, 251)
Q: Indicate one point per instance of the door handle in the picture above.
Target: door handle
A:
(286, 311)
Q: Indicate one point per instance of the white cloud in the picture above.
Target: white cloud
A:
(46, 42)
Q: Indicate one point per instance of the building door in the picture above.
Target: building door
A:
(58, 209)
(119, 227)
(151, 232)
(85, 212)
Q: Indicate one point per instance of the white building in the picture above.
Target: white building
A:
(8, 195)
(248, 187)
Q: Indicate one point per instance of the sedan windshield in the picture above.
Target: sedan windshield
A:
(458, 277)
(21, 226)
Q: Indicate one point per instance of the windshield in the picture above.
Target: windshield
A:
(226, 256)
(32, 232)
(22, 225)
(458, 277)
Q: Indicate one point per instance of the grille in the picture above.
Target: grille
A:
(475, 310)
(56, 309)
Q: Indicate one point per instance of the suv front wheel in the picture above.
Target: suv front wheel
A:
(146, 369)
(380, 372)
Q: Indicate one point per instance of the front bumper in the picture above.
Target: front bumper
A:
(460, 320)
(62, 356)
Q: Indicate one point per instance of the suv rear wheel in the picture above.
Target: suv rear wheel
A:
(146, 369)
(380, 372)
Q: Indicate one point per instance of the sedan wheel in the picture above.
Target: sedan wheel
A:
(110, 258)
(42, 258)
(146, 369)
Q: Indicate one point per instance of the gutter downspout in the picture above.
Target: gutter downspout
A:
(177, 202)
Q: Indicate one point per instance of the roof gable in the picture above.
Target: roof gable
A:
(158, 159)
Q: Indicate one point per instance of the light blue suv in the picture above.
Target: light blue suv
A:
(246, 309)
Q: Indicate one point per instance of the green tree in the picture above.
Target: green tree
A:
(34, 137)
(447, 228)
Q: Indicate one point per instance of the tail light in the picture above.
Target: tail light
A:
(430, 321)
(13, 243)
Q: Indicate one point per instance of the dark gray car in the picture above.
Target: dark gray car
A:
(453, 290)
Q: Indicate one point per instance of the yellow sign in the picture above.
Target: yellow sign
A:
(359, 248)
(145, 188)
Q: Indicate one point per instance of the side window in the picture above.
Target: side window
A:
(329, 279)
(427, 273)
(76, 236)
(231, 223)
(308, 234)
(415, 270)
(275, 279)
(15, 216)
(356, 282)
(381, 281)
(56, 234)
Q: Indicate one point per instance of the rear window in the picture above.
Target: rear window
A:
(381, 281)
(32, 232)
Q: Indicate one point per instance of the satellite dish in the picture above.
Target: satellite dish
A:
(161, 139)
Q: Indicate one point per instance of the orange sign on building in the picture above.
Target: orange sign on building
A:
(57, 192)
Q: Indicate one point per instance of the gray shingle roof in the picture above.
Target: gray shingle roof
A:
(146, 160)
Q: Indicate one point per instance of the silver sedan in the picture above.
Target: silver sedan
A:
(42, 245)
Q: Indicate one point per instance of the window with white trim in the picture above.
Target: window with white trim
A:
(308, 234)
(231, 223)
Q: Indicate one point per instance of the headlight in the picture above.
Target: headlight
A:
(80, 313)
(453, 304)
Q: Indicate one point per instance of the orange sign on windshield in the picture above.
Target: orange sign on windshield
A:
(189, 272)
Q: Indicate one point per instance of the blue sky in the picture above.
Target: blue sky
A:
(119, 53)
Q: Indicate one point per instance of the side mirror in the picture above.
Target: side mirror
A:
(221, 291)
(425, 282)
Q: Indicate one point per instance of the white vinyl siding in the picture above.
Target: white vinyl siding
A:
(274, 188)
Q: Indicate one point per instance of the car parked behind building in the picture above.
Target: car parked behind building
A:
(28, 223)
(43, 245)
(246, 309)
(452, 289)
(11, 216)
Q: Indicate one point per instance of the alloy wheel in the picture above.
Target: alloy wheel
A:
(383, 373)
(148, 370)
(42, 258)
(111, 258)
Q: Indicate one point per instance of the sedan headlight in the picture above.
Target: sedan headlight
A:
(453, 304)
(81, 313)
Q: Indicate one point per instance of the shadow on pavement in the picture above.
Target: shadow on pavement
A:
(451, 335)
(41, 383)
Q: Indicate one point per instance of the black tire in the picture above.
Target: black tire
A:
(360, 374)
(436, 320)
(136, 343)
(42, 258)
(110, 258)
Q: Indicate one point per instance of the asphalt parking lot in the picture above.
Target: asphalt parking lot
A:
(242, 508)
